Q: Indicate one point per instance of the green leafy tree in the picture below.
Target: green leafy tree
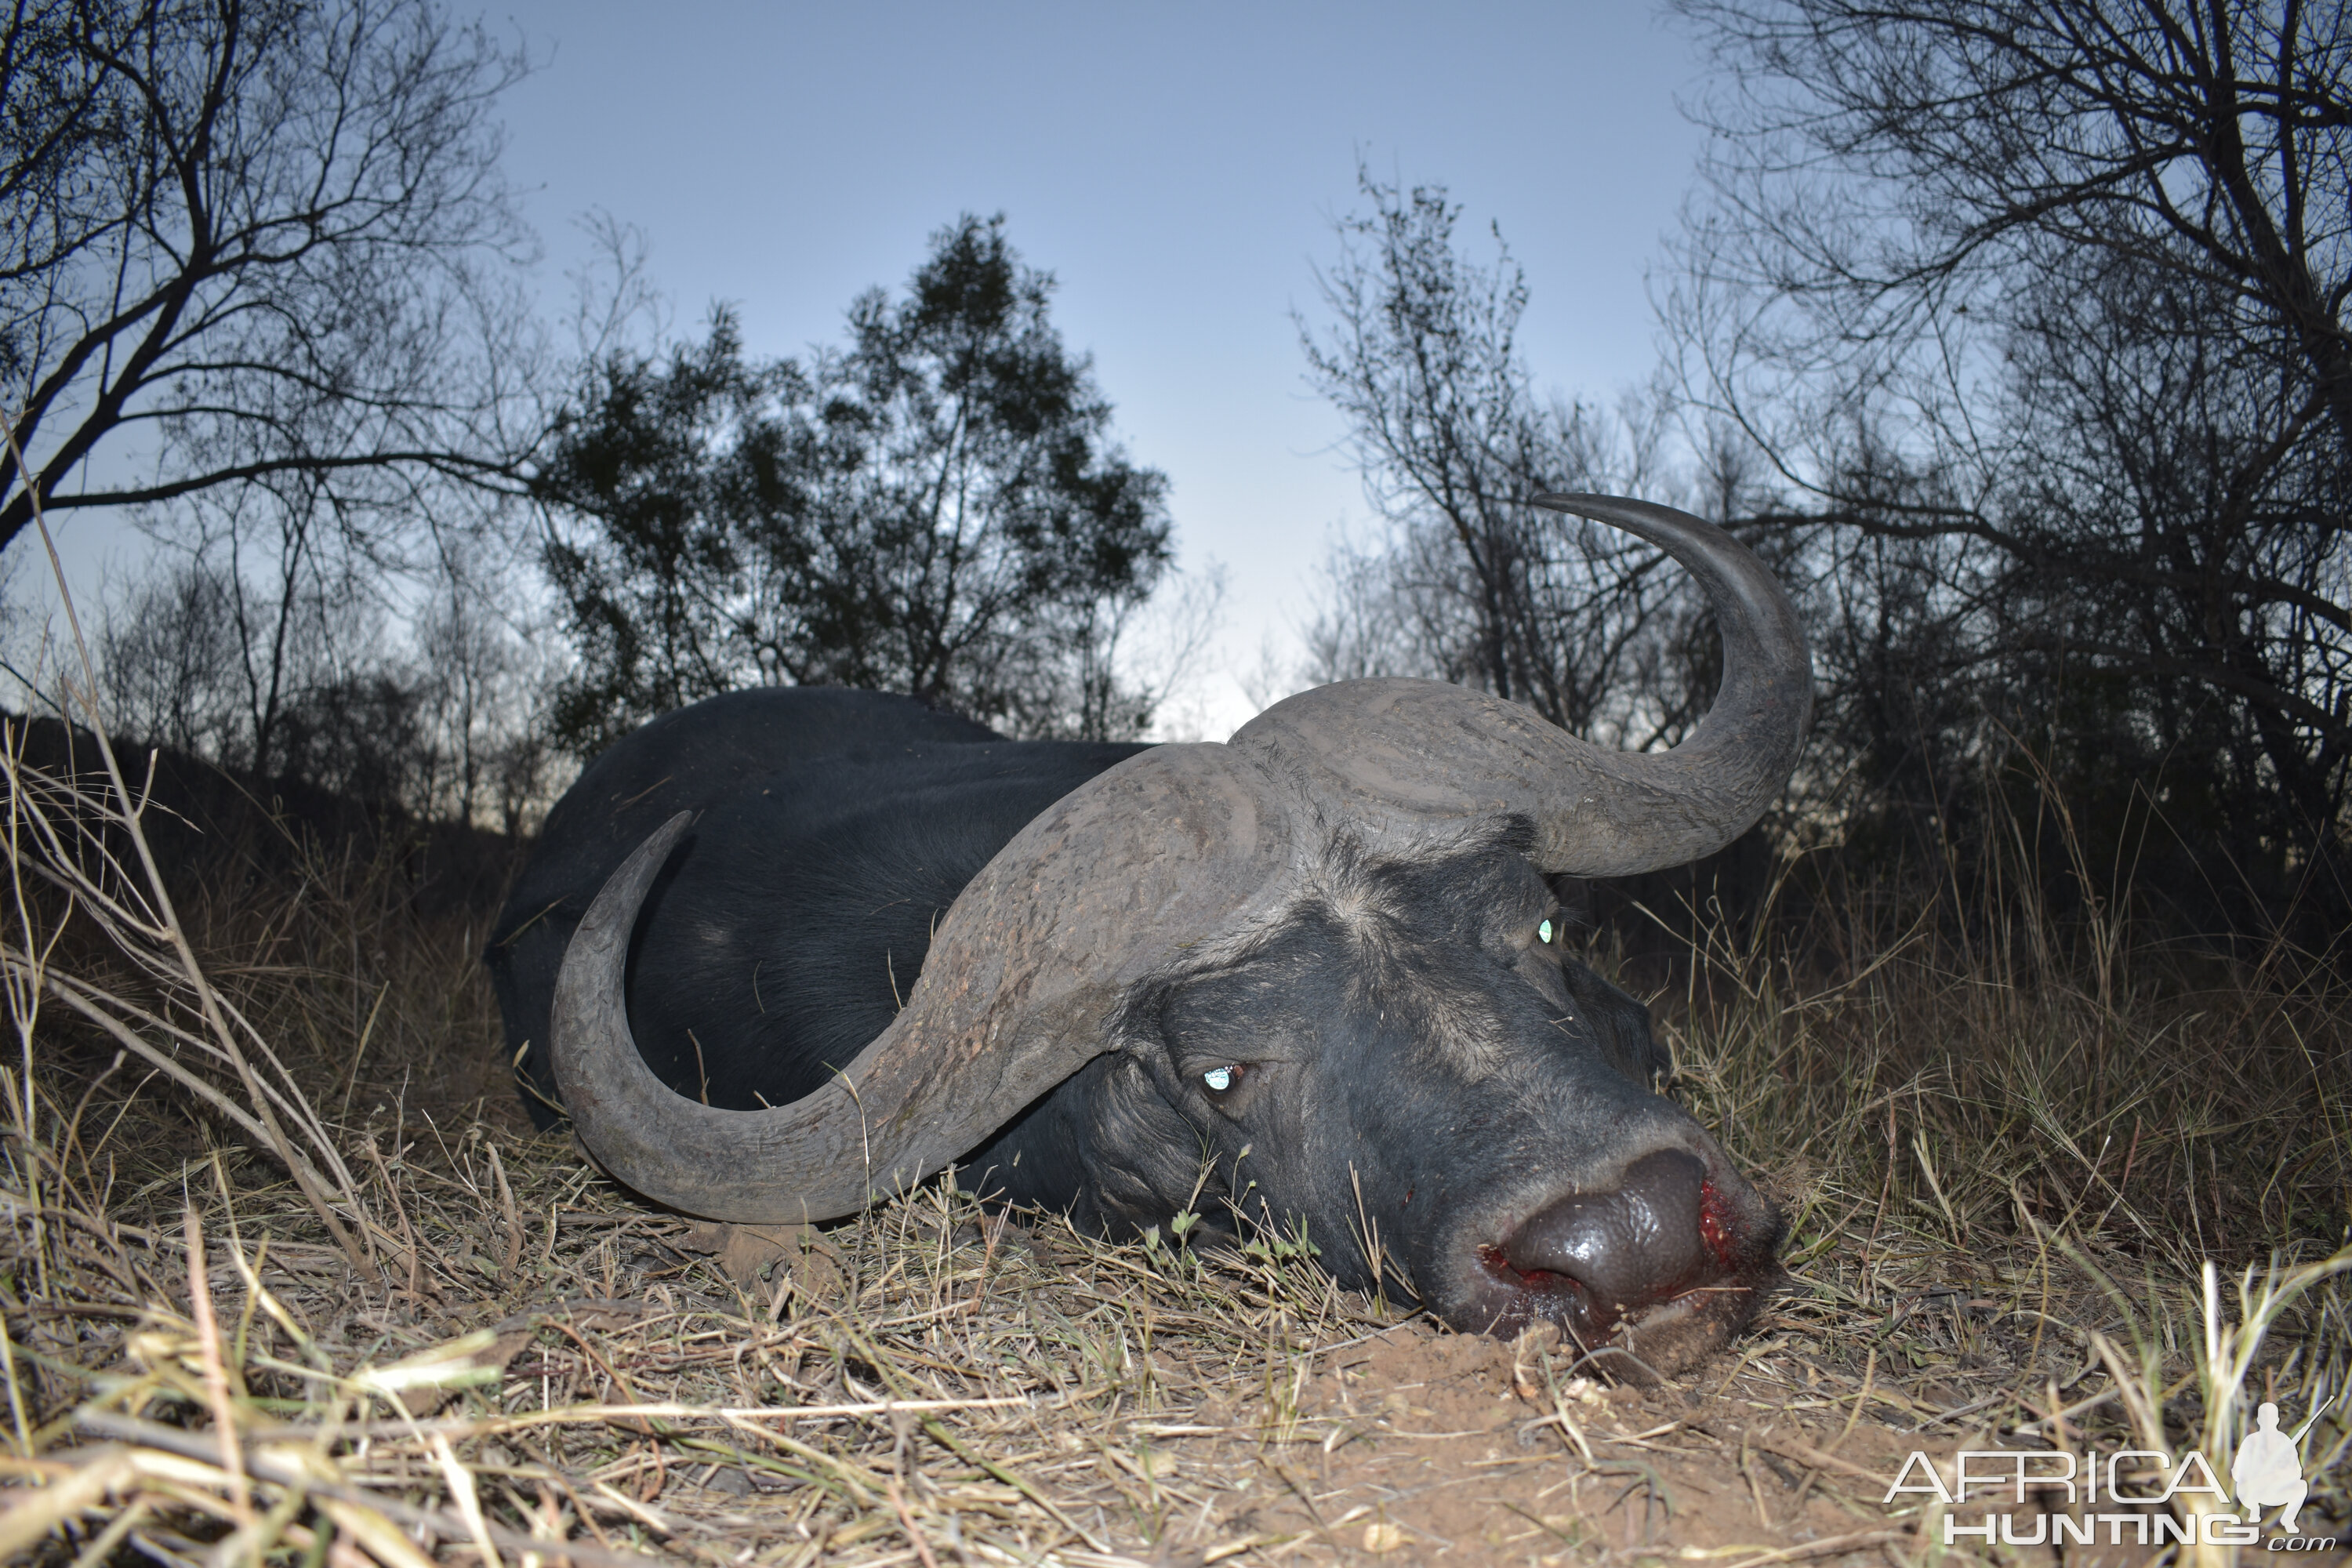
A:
(936, 506)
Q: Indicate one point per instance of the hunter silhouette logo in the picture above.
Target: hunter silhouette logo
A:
(2268, 1470)
(2266, 1473)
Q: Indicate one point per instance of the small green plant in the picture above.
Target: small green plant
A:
(1277, 1247)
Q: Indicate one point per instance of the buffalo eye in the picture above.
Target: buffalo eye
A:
(1218, 1079)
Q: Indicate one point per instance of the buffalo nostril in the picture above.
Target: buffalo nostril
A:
(1629, 1247)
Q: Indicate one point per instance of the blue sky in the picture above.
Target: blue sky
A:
(1177, 168)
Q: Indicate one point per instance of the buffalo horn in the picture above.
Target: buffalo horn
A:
(1024, 984)
(1391, 752)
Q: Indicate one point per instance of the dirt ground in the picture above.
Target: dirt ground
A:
(1408, 1443)
(1139, 1405)
(1428, 1444)
(589, 1381)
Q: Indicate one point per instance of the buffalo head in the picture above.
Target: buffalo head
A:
(1312, 978)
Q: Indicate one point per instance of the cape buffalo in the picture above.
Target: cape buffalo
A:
(1313, 978)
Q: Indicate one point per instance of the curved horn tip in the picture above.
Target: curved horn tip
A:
(1420, 749)
(1623, 511)
(667, 833)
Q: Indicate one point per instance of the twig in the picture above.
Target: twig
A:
(209, 1345)
(208, 999)
(279, 1471)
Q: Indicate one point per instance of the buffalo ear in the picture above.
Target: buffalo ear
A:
(1621, 1027)
(1575, 896)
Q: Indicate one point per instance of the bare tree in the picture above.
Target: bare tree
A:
(1106, 670)
(1366, 623)
(1475, 584)
(484, 698)
(250, 241)
(2053, 295)
(435, 708)
(169, 658)
(250, 665)
(303, 610)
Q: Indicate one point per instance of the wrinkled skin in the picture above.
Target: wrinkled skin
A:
(1404, 1058)
(1398, 1062)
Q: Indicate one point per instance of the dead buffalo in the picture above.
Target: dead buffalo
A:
(1312, 978)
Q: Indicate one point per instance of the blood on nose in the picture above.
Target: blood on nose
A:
(1640, 1244)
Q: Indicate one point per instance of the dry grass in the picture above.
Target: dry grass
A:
(2073, 1187)
(987, 1392)
(280, 1283)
